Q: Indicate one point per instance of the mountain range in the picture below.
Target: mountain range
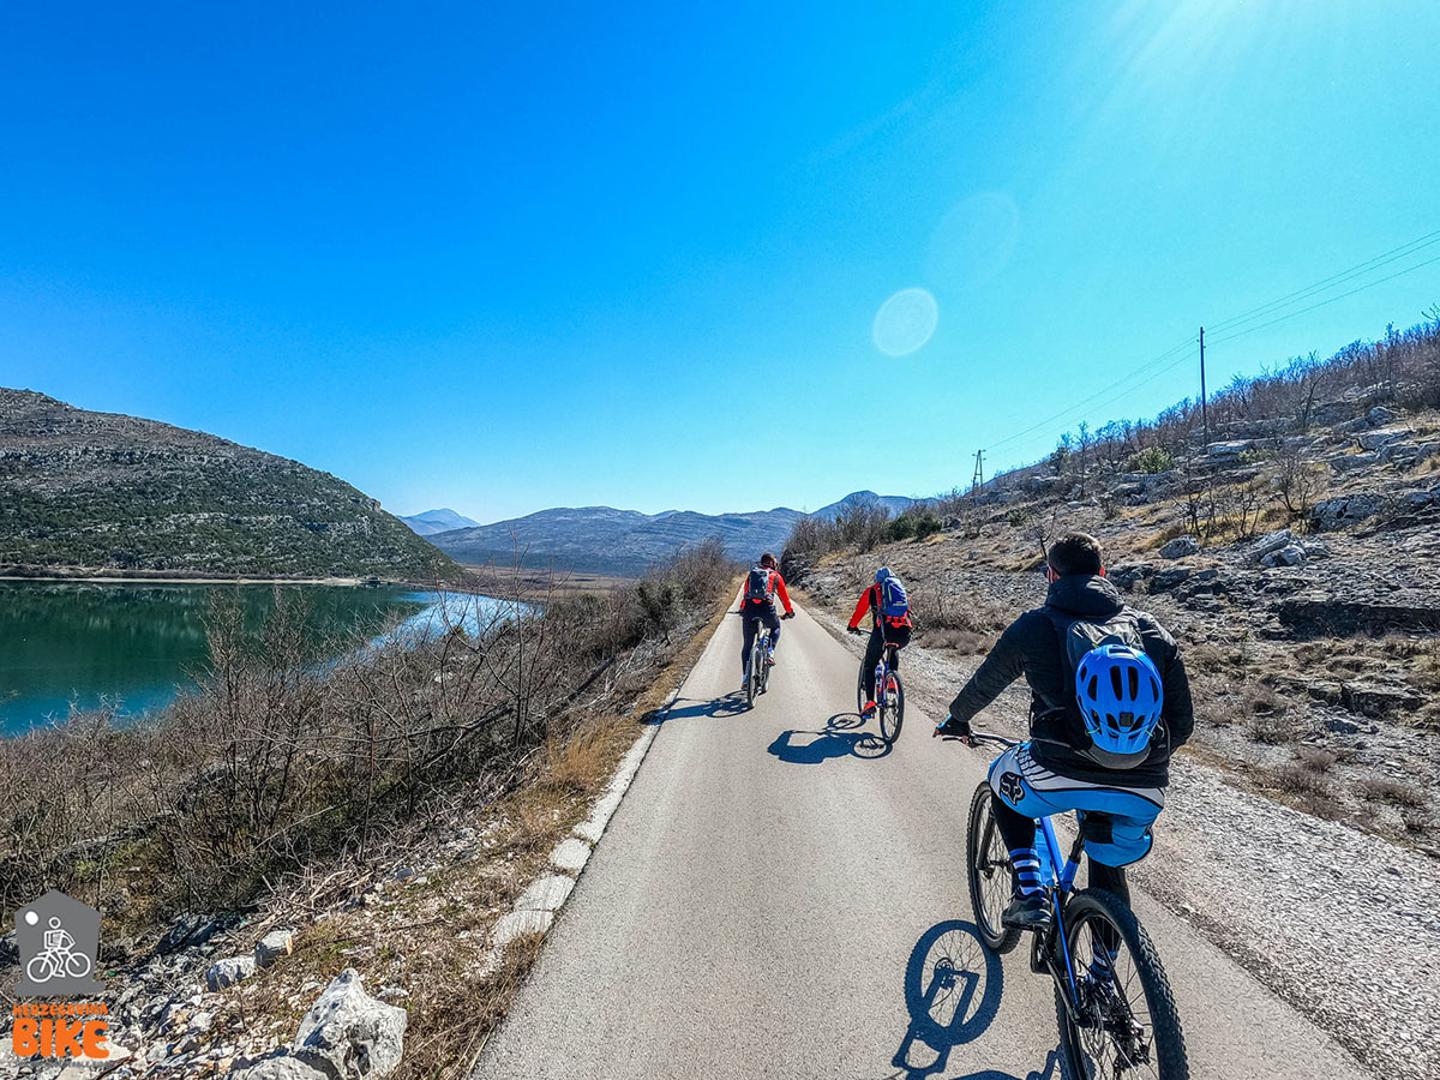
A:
(603, 540)
(93, 491)
(437, 521)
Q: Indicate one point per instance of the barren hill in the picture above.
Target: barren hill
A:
(107, 492)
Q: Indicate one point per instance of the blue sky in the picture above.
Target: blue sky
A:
(504, 260)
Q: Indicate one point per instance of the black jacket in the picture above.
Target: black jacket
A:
(1032, 646)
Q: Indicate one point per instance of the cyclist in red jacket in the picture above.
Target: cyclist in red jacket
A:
(890, 622)
(757, 605)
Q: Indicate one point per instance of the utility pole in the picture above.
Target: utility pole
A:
(1204, 406)
(977, 480)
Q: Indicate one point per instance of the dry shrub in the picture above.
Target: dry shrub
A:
(1299, 780)
(1314, 759)
(277, 760)
(1392, 792)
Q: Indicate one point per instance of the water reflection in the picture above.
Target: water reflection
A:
(135, 645)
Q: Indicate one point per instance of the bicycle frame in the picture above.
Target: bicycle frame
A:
(1060, 871)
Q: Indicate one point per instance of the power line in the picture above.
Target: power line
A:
(1338, 278)
(1331, 300)
(1079, 405)
(1324, 284)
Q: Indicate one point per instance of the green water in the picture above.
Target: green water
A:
(64, 644)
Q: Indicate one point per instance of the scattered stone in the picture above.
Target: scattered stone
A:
(1271, 542)
(348, 1033)
(1180, 547)
(226, 973)
(1379, 416)
(1378, 702)
(1342, 727)
(1352, 462)
(1127, 575)
(202, 1021)
(273, 946)
(1289, 555)
(1346, 509)
(1168, 579)
(1381, 437)
(1316, 549)
(280, 1067)
(1316, 614)
(1229, 450)
(187, 931)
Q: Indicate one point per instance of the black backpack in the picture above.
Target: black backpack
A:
(757, 586)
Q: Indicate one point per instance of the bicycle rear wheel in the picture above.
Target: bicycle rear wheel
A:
(892, 714)
(987, 864)
(1130, 1026)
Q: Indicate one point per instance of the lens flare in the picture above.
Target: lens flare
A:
(905, 322)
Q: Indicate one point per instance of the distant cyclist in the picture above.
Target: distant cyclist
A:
(1110, 702)
(757, 605)
(889, 624)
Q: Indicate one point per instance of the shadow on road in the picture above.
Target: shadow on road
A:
(953, 987)
(838, 740)
(732, 704)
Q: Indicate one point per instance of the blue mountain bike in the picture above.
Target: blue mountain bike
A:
(1113, 1003)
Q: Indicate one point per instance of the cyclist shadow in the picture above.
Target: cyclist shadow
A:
(732, 704)
(837, 740)
(953, 988)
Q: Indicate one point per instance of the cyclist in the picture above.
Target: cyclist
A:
(889, 623)
(757, 605)
(1085, 646)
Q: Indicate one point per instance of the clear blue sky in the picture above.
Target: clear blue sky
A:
(634, 255)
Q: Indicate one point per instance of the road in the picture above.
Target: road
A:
(754, 906)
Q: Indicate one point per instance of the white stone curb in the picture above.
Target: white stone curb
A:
(534, 912)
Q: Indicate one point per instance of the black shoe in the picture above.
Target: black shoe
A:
(1027, 913)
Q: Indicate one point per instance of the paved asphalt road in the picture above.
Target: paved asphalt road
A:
(754, 906)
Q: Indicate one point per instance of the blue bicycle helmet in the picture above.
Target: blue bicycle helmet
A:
(1120, 697)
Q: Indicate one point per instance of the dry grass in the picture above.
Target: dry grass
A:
(1391, 792)
(431, 939)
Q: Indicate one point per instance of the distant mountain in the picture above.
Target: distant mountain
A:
(896, 504)
(430, 522)
(603, 540)
(103, 491)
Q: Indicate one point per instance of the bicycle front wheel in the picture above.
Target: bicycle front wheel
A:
(892, 709)
(988, 864)
(1129, 1025)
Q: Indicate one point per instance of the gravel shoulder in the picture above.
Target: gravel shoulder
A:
(1339, 923)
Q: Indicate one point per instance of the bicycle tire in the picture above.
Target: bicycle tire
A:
(752, 682)
(997, 938)
(891, 731)
(860, 691)
(44, 962)
(1167, 1038)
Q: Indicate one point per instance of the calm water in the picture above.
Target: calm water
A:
(136, 645)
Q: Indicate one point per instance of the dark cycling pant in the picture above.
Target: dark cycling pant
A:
(898, 636)
(752, 618)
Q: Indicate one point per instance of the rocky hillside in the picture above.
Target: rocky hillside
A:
(1296, 557)
(603, 540)
(100, 491)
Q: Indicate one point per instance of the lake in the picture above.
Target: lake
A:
(136, 645)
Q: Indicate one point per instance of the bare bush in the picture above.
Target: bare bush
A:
(280, 756)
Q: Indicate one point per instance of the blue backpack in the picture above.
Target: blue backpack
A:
(894, 604)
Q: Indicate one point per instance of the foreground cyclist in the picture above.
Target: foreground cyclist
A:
(757, 605)
(1084, 648)
(890, 623)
